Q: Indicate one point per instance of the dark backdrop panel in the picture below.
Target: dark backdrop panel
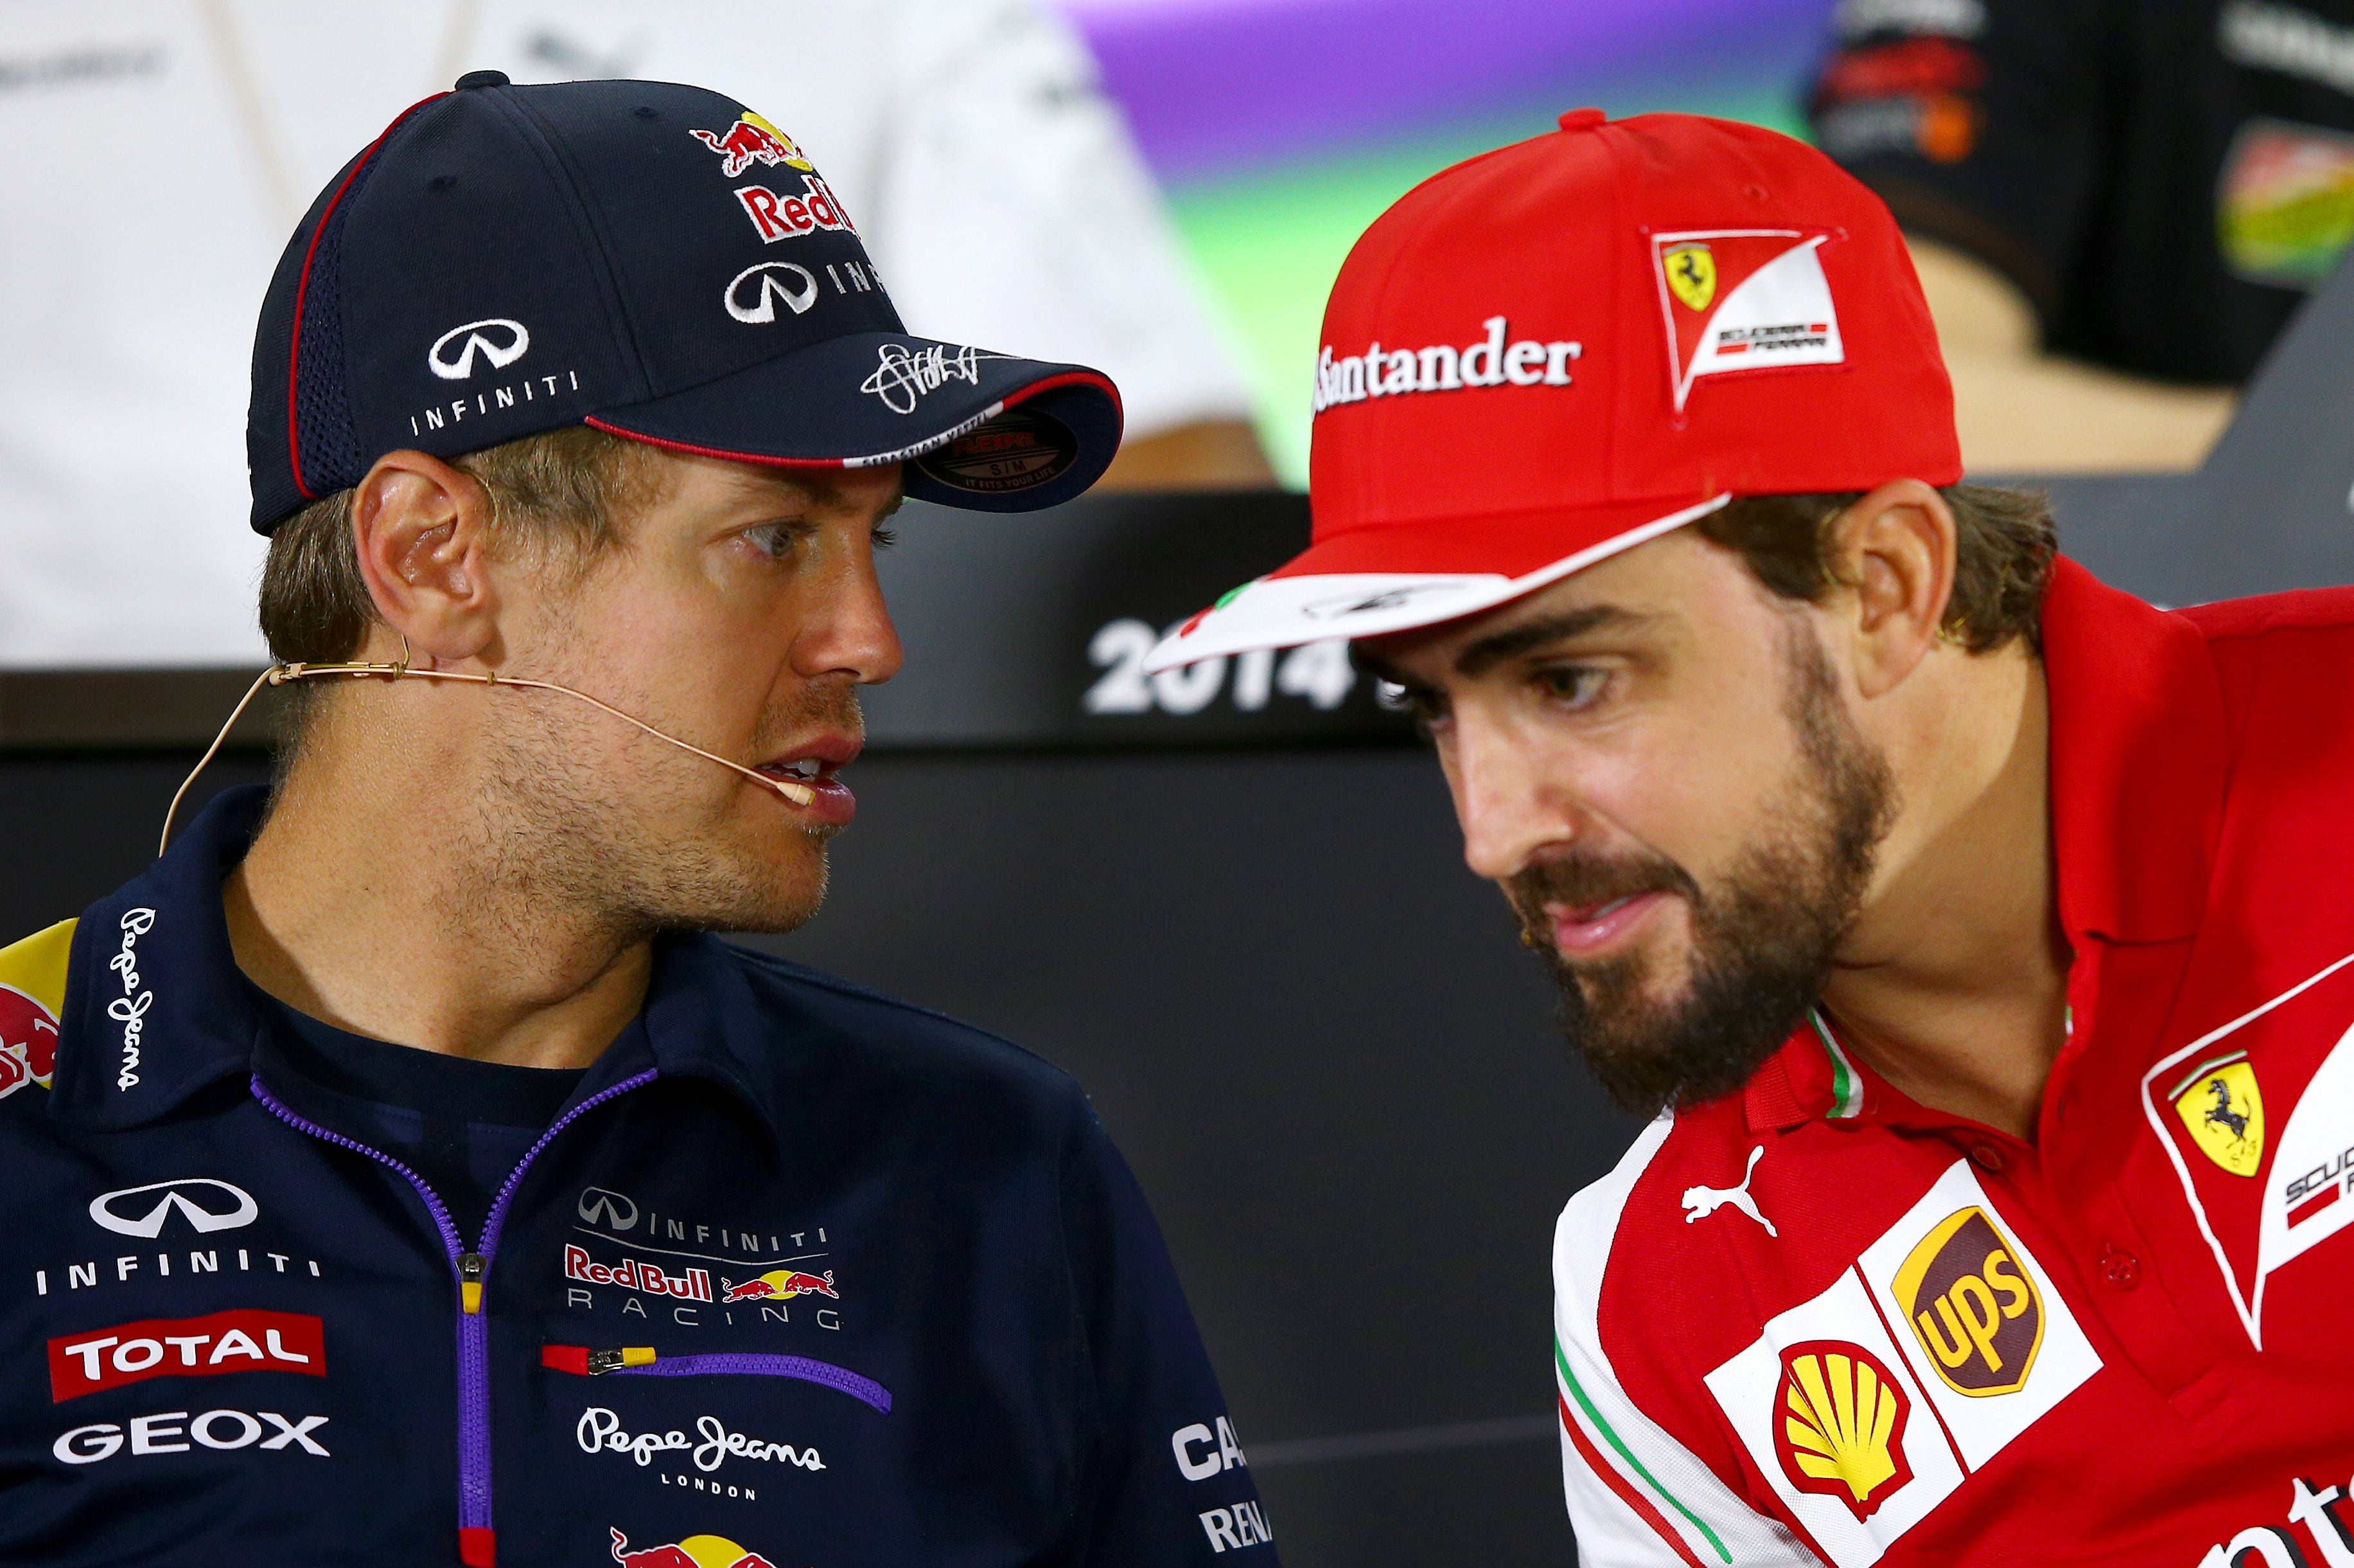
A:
(1306, 1023)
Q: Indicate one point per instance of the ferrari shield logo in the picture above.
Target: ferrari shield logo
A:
(2224, 1112)
(1691, 274)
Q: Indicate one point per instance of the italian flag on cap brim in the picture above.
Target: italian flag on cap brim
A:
(1301, 604)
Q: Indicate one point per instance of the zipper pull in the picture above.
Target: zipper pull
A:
(614, 1361)
(472, 1267)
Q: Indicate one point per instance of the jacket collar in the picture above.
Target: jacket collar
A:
(157, 1009)
(2137, 771)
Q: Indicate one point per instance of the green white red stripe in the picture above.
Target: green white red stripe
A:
(1847, 1084)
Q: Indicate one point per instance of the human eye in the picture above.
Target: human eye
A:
(884, 538)
(1572, 686)
(1427, 705)
(774, 541)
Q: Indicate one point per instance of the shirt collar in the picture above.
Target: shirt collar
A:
(156, 1011)
(2137, 762)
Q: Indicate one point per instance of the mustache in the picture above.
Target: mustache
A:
(826, 705)
(1582, 881)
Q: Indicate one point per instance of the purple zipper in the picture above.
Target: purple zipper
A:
(808, 1368)
(476, 1542)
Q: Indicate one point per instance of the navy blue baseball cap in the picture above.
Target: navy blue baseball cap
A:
(653, 259)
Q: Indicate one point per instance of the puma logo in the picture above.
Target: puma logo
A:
(1702, 1201)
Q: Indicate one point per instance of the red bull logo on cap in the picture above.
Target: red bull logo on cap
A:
(694, 1551)
(752, 139)
(779, 1285)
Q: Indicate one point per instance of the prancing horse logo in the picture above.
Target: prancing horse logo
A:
(1702, 1201)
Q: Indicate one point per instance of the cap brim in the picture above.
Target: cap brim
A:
(1375, 581)
(977, 429)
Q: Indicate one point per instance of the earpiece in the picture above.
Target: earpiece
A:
(279, 674)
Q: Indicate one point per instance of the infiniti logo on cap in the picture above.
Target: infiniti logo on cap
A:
(517, 339)
(774, 285)
(198, 1199)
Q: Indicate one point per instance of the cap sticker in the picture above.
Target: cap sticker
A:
(752, 139)
(1019, 450)
(1745, 298)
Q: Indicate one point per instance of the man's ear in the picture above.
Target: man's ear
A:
(422, 532)
(1894, 550)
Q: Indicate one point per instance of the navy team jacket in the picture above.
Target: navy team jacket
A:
(801, 1275)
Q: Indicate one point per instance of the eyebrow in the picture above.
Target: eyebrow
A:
(1491, 651)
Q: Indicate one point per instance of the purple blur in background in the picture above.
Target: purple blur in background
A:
(1211, 85)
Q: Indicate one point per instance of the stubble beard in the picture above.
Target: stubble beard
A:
(1762, 939)
(639, 837)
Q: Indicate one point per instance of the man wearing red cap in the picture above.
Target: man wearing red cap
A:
(1977, 932)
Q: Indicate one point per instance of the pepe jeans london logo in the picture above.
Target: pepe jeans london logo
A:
(130, 1009)
(495, 338)
(599, 1431)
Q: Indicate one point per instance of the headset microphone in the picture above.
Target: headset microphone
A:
(279, 674)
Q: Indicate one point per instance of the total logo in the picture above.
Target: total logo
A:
(694, 1551)
(172, 1432)
(231, 1341)
(28, 1040)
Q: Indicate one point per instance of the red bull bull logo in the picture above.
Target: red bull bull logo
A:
(780, 1285)
(694, 1551)
(752, 139)
(28, 1042)
(633, 1274)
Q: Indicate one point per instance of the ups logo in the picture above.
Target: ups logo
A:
(1972, 1305)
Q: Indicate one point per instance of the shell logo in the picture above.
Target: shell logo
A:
(1840, 1429)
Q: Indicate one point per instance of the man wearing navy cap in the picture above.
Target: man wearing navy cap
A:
(411, 1184)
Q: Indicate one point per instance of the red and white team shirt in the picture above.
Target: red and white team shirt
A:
(1816, 1321)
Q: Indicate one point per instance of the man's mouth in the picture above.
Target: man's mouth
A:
(805, 776)
(1585, 931)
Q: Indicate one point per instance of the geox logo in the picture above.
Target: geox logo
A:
(1442, 367)
(1971, 1305)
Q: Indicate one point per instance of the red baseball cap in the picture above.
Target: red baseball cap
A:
(1563, 348)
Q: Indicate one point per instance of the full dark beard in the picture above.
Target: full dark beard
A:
(1761, 941)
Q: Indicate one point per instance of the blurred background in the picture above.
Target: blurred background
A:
(1230, 898)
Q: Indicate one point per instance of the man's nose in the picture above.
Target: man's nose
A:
(854, 636)
(1508, 804)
